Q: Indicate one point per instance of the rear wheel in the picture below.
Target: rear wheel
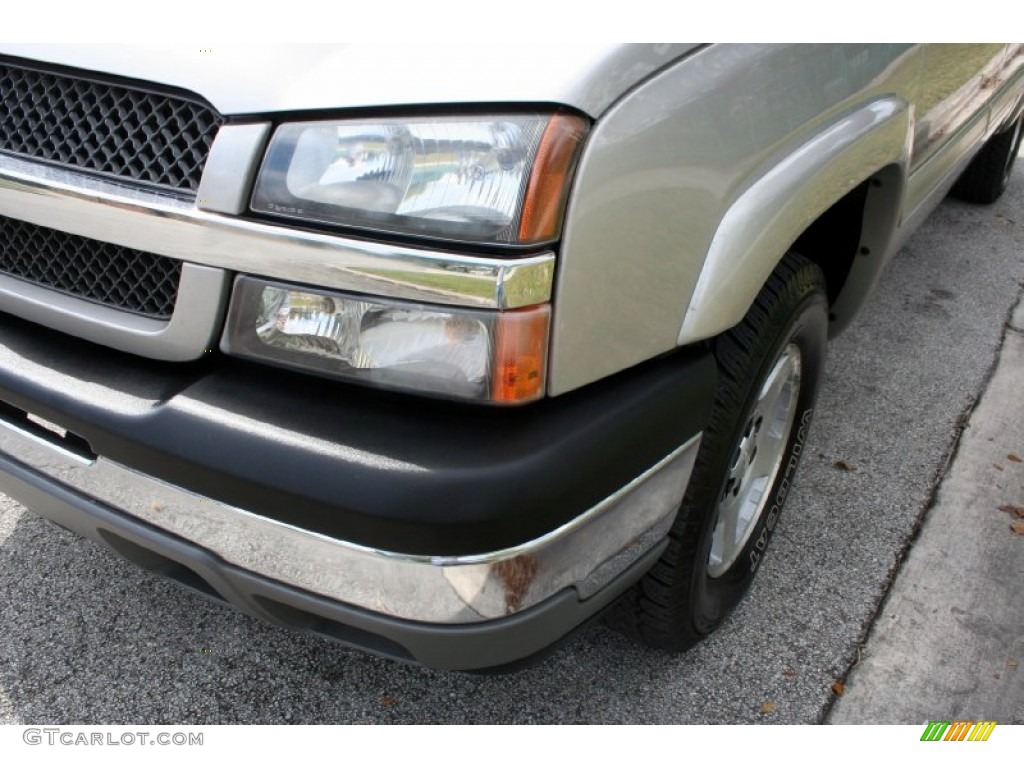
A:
(985, 179)
(769, 370)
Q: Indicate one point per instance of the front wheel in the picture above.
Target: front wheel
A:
(769, 367)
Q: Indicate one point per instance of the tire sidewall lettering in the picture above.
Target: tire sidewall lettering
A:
(781, 491)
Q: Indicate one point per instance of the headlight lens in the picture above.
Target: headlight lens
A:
(458, 353)
(494, 179)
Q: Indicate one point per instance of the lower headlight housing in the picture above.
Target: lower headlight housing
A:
(489, 356)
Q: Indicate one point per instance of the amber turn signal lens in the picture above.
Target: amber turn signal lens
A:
(520, 355)
(548, 188)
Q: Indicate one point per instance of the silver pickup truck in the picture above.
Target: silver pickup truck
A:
(446, 365)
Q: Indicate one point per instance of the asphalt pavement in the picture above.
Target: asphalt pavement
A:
(87, 638)
(949, 641)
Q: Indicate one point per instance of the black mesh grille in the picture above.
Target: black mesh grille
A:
(109, 274)
(123, 131)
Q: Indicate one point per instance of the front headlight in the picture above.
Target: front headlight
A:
(497, 357)
(498, 179)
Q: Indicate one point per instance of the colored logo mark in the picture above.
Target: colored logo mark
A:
(958, 730)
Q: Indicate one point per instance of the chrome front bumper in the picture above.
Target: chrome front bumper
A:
(584, 554)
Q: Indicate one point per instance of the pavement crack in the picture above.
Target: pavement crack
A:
(962, 422)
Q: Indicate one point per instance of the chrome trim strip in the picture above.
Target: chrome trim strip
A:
(585, 553)
(136, 218)
(231, 167)
(191, 330)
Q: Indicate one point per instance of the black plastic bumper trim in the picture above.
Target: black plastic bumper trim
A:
(393, 472)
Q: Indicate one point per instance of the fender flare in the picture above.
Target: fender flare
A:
(770, 214)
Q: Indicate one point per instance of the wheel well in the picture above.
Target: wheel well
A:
(849, 241)
(833, 239)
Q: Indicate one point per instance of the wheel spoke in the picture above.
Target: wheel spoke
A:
(769, 448)
(729, 527)
(782, 375)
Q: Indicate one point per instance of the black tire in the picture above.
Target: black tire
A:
(985, 179)
(680, 600)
